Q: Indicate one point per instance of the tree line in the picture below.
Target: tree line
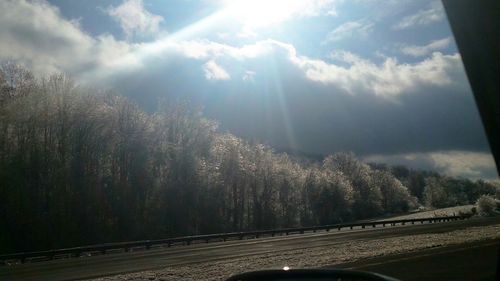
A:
(82, 166)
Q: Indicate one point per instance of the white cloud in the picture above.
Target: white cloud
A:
(251, 15)
(215, 72)
(285, 9)
(319, 7)
(249, 76)
(359, 76)
(351, 29)
(134, 19)
(34, 33)
(435, 13)
(419, 51)
(204, 49)
(380, 10)
(463, 163)
(466, 164)
(387, 79)
(247, 32)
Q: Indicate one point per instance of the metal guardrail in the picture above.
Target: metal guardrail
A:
(187, 240)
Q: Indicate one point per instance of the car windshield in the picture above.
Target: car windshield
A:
(195, 140)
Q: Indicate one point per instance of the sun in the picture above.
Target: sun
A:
(261, 13)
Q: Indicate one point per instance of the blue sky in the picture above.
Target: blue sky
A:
(383, 79)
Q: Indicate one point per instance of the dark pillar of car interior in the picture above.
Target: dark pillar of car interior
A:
(476, 27)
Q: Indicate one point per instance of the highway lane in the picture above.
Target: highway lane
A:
(477, 261)
(95, 266)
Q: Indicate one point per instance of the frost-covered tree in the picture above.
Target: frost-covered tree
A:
(487, 205)
(395, 196)
(366, 195)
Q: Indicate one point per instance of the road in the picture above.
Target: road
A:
(476, 261)
(102, 265)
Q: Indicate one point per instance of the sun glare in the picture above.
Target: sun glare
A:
(260, 13)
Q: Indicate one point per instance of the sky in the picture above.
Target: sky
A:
(382, 79)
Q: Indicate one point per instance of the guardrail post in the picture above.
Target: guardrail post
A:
(373, 225)
(363, 226)
(339, 228)
(383, 225)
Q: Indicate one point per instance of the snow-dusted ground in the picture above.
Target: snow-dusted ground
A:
(451, 211)
(314, 257)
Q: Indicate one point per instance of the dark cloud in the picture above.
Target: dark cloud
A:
(282, 107)
(466, 164)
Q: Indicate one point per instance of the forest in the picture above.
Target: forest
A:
(83, 166)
